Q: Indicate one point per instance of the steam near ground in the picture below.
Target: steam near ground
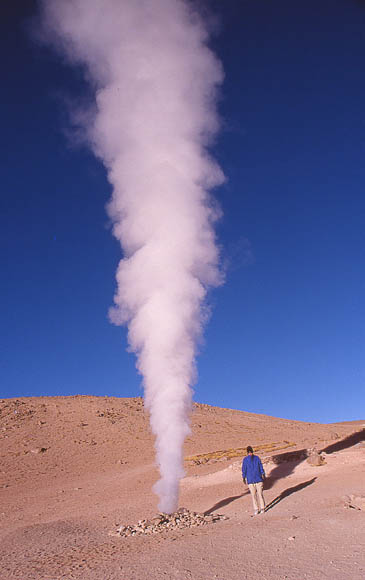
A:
(155, 84)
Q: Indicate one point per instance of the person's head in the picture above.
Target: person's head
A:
(249, 450)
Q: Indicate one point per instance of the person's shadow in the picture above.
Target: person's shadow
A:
(288, 492)
(224, 502)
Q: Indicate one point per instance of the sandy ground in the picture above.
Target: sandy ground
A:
(73, 468)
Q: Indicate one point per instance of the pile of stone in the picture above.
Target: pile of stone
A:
(182, 518)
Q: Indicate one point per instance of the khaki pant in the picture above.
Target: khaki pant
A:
(257, 495)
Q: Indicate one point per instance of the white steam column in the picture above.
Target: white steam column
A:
(155, 84)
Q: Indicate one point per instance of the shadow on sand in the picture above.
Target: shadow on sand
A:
(224, 502)
(349, 441)
(288, 492)
(285, 465)
(287, 462)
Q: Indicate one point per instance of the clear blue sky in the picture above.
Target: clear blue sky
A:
(287, 333)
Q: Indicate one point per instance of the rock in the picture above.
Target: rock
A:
(315, 459)
(356, 502)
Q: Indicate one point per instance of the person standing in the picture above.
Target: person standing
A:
(253, 474)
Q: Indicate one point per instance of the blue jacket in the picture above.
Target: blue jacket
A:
(252, 469)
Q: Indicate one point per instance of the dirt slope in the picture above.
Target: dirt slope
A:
(74, 467)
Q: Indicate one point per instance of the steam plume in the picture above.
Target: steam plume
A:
(155, 84)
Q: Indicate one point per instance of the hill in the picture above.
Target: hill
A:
(72, 468)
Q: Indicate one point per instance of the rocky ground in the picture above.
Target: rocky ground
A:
(76, 501)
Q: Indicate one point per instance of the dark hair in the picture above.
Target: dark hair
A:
(249, 449)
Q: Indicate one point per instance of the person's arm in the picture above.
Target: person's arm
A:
(244, 471)
(262, 471)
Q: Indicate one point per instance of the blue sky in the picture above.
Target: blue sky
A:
(286, 336)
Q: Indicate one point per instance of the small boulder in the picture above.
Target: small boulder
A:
(334, 436)
(315, 459)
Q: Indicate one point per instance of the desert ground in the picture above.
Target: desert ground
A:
(74, 469)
